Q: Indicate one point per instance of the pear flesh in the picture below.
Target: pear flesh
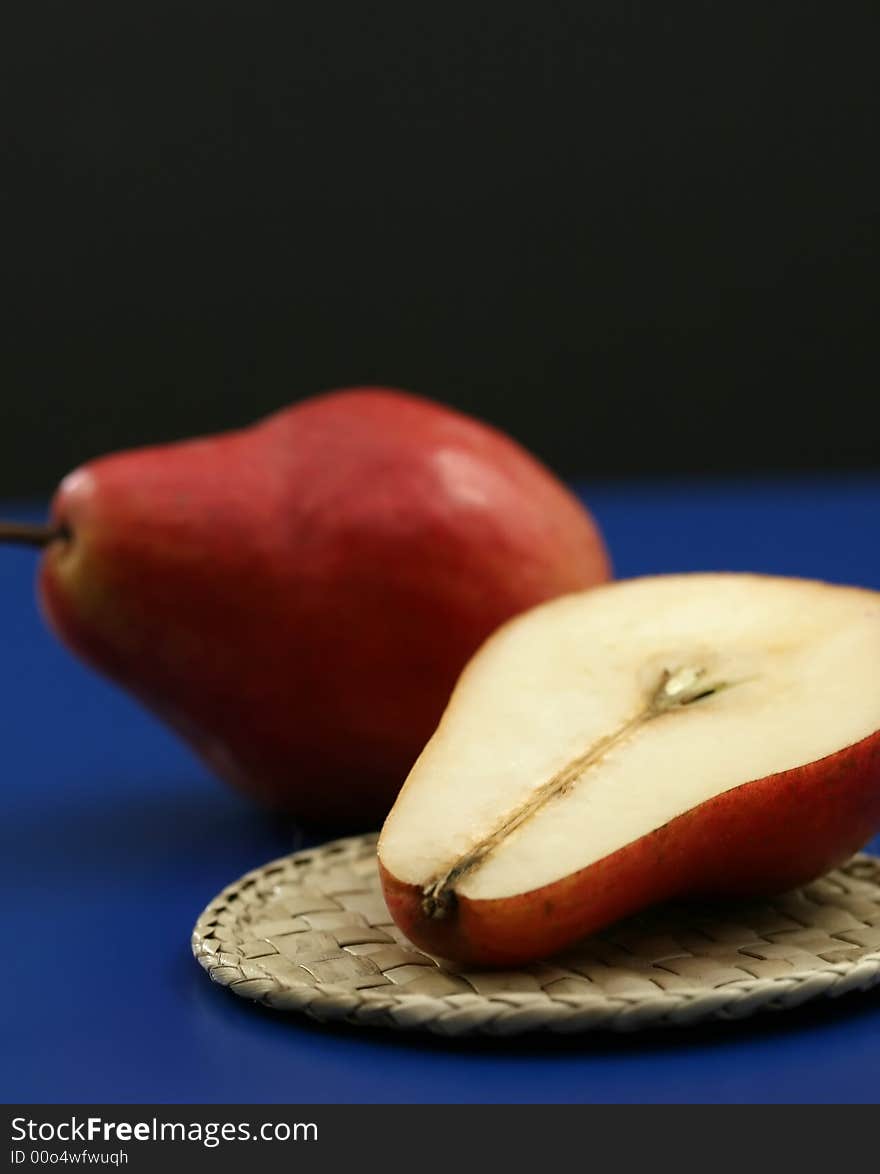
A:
(582, 727)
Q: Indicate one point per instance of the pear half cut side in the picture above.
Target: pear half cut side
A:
(705, 735)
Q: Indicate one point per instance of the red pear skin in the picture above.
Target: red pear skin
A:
(298, 598)
(760, 838)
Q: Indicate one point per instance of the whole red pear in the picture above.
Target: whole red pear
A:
(297, 598)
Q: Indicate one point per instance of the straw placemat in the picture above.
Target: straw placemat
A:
(311, 932)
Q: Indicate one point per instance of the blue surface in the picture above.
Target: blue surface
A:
(113, 840)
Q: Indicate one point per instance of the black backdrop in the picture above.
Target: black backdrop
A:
(640, 236)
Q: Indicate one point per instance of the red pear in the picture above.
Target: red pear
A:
(668, 737)
(298, 598)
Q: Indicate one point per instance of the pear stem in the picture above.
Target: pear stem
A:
(29, 534)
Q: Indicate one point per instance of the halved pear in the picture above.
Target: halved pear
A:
(684, 735)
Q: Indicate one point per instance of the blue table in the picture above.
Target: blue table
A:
(113, 840)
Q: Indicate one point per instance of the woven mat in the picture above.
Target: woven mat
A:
(311, 932)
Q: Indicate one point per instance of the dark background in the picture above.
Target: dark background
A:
(641, 237)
